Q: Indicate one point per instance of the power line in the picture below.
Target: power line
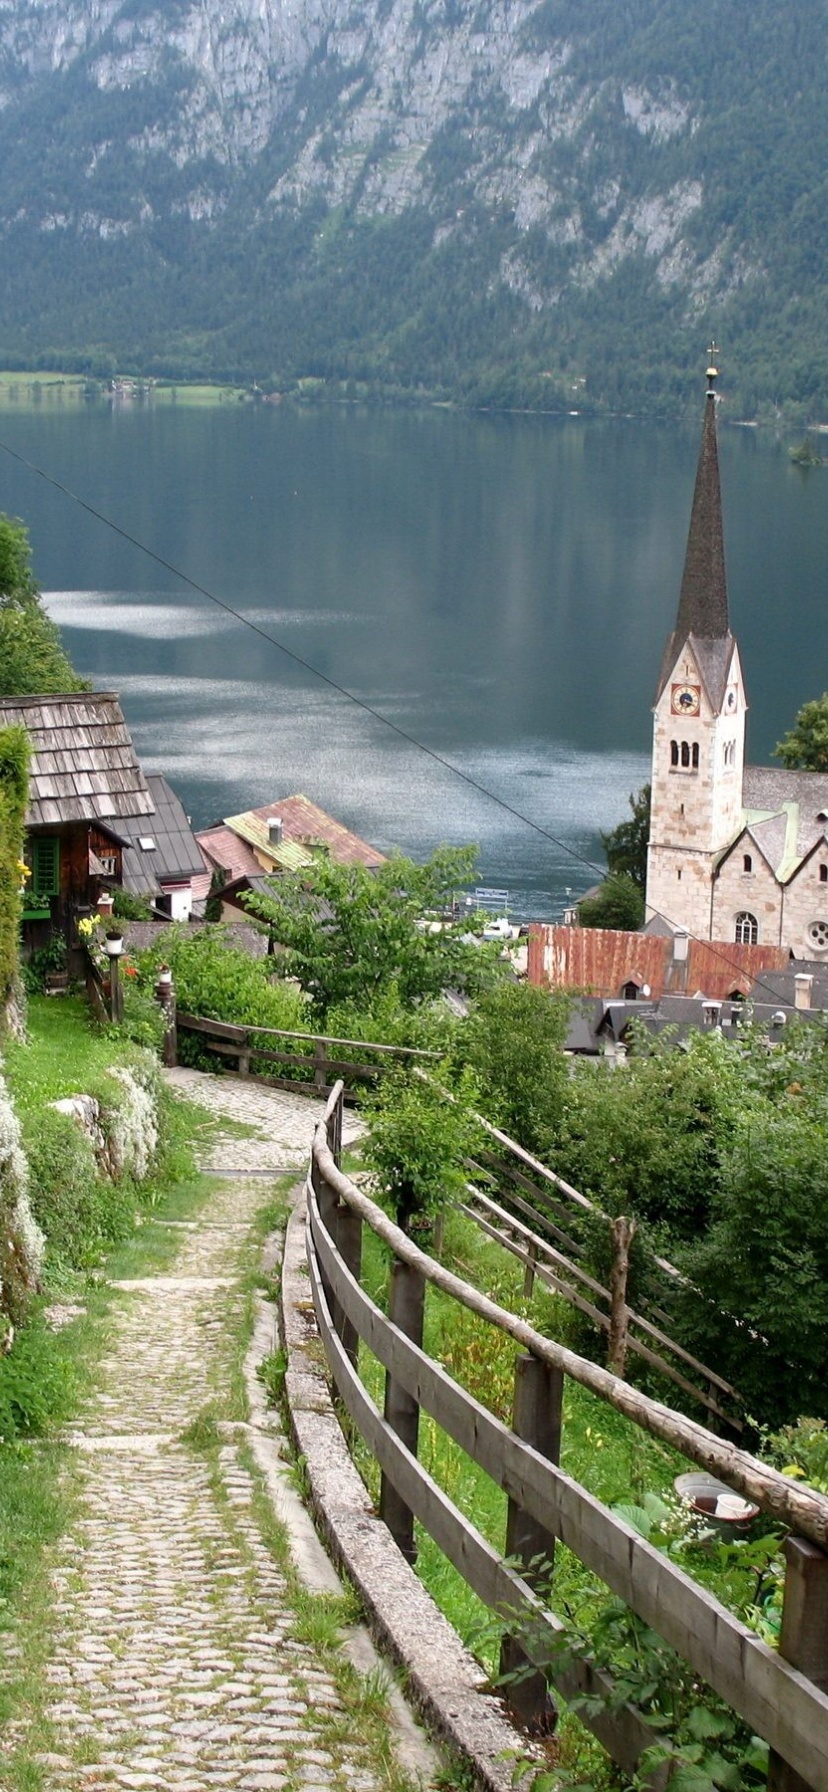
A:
(342, 691)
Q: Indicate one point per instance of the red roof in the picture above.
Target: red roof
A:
(221, 847)
(602, 960)
(308, 825)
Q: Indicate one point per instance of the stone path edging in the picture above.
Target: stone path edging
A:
(443, 1679)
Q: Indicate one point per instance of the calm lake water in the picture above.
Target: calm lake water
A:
(498, 587)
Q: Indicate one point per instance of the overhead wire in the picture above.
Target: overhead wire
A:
(360, 702)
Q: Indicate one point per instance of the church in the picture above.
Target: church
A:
(737, 852)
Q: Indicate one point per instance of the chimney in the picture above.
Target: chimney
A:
(681, 942)
(274, 830)
(803, 984)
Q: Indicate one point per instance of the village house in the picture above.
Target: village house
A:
(288, 835)
(85, 783)
(163, 860)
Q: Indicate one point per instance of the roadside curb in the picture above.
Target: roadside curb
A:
(443, 1680)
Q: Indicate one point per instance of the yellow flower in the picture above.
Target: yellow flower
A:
(24, 869)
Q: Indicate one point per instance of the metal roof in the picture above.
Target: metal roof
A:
(163, 847)
(84, 766)
(603, 960)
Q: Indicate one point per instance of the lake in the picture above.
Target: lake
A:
(499, 587)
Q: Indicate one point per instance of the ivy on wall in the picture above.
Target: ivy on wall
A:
(14, 790)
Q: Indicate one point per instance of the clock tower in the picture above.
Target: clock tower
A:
(700, 710)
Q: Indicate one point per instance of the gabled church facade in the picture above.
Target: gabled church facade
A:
(737, 853)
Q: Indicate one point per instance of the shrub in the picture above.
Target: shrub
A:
(14, 786)
(513, 1041)
(217, 979)
(37, 1386)
(417, 1143)
(21, 1240)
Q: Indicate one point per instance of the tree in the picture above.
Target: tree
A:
(618, 902)
(17, 584)
(417, 1144)
(514, 1041)
(348, 934)
(626, 845)
(805, 748)
(32, 660)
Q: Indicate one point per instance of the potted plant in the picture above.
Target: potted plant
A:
(113, 938)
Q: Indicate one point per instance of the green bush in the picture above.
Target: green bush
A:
(513, 1041)
(14, 788)
(417, 1142)
(218, 980)
(37, 1386)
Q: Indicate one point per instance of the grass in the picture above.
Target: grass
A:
(66, 1054)
(30, 390)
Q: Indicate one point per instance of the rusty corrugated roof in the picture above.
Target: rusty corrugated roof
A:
(602, 960)
(84, 766)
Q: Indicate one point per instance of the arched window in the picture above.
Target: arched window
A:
(674, 753)
(747, 929)
(747, 862)
(695, 755)
(685, 753)
(823, 874)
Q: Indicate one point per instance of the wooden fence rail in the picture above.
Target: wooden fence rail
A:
(254, 1054)
(534, 1220)
(782, 1696)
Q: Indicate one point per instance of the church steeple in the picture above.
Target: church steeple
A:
(702, 611)
(703, 601)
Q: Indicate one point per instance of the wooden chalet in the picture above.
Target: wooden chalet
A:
(84, 782)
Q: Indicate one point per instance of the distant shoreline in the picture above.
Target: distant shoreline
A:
(31, 389)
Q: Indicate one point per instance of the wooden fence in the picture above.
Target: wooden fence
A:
(533, 1220)
(256, 1052)
(782, 1696)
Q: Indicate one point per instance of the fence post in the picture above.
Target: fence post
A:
(804, 1638)
(622, 1232)
(406, 1306)
(335, 1130)
(529, 1271)
(536, 1419)
(165, 997)
(320, 1060)
(327, 1202)
(349, 1246)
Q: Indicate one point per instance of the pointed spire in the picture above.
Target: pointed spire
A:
(703, 602)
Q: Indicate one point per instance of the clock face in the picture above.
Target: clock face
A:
(686, 699)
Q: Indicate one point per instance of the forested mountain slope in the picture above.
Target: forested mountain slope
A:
(547, 201)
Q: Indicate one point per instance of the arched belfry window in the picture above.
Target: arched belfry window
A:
(747, 929)
(695, 755)
(685, 753)
(747, 862)
(674, 752)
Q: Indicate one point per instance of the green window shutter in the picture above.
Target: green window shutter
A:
(45, 865)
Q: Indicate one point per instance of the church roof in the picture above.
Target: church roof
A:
(703, 601)
(702, 612)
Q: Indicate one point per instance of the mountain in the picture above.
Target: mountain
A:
(503, 201)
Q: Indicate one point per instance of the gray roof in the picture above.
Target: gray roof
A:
(771, 788)
(84, 766)
(170, 852)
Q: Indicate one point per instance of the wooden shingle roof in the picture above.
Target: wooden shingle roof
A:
(84, 766)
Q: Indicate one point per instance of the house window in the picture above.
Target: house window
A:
(747, 929)
(747, 862)
(629, 992)
(674, 752)
(818, 935)
(45, 865)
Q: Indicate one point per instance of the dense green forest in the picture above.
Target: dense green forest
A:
(613, 182)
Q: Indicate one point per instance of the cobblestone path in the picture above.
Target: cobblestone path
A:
(177, 1663)
(284, 1123)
